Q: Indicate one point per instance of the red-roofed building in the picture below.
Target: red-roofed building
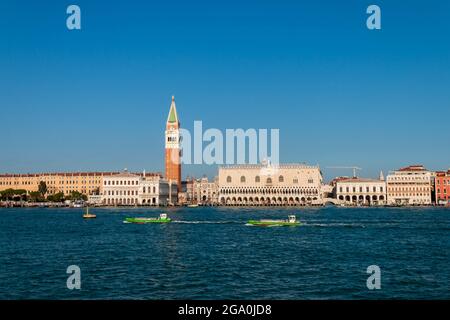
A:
(411, 185)
(442, 187)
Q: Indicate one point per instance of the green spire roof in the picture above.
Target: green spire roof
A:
(173, 117)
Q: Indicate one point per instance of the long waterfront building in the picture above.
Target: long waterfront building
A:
(84, 182)
(266, 184)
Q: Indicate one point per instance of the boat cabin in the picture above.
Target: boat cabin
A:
(291, 219)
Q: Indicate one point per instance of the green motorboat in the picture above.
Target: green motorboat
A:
(163, 218)
(290, 222)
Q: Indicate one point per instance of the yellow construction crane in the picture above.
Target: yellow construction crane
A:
(350, 167)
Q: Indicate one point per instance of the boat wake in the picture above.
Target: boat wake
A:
(320, 225)
(334, 225)
(205, 222)
(266, 226)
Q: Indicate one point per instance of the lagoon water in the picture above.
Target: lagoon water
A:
(209, 253)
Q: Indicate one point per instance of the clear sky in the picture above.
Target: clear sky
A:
(98, 98)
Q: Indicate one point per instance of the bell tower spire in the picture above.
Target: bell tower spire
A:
(173, 117)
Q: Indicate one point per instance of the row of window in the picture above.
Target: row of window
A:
(149, 189)
(408, 183)
(130, 192)
(16, 183)
(417, 189)
(374, 189)
(409, 195)
(230, 200)
(114, 201)
(121, 193)
(10, 183)
(120, 201)
(52, 182)
(121, 183)
(270, 191)
(80, 189)
(366, 198)
(408, 178)
(268, 180)
(69, 182)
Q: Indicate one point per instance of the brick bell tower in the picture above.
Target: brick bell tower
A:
(173, 152)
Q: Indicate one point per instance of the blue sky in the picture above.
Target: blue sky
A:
(97, 99)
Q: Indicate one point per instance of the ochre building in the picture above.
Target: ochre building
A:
(84, 182)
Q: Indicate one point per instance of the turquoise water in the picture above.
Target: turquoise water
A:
(209, 253)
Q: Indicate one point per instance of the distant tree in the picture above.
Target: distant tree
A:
(13, 194)
(4, 194)
(36, 196)
(7, 194)
(57, 197)
(21, 194)
(75, 196)
(42, 188)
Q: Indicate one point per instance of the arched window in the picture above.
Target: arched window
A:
(257, 179)
(269, 180)
(228, 179)
(242, 178)
(280, 179)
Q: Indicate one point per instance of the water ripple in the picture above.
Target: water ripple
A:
(210, 253)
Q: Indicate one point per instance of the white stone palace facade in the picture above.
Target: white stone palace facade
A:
(130, 189)
(270, 185)
(411, 185)
(359, 191)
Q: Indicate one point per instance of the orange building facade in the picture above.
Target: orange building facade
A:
(442, 187)
(172, 145)
(84, 182)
